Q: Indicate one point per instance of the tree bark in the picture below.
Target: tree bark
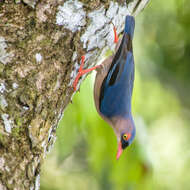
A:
(41, 43)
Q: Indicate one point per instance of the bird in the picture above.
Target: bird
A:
(114, 86)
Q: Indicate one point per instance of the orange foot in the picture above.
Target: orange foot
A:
(82, 72)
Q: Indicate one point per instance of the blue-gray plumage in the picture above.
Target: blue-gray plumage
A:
(116, 90)
(114, 86)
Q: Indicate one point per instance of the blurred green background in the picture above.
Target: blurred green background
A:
(84, 155)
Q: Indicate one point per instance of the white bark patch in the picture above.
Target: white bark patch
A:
(75, 69)
(74, 73)
(7, 123)
(2, 88)
(94, 37)
(4, 56)
(37, 182)
(2, 187)
(44, 145)
(15, 85)
(25, 108)
(3, 102)
(2, 162)
(100, 32)
(51, 138)
(118, 21)
(38, 57)
(71, 9)
(74, 56)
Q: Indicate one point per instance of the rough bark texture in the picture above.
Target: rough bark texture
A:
(40, 50)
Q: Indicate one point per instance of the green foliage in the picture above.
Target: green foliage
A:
(84, 156)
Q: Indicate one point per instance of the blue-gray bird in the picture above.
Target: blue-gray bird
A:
(113, 88)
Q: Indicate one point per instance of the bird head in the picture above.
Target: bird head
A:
(125, 132)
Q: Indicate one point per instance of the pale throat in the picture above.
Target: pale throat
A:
(121, 125)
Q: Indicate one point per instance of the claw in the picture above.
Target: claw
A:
(82, 72)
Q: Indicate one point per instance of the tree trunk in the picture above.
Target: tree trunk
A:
(41, 43)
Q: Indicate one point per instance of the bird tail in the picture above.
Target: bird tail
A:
(129, 25)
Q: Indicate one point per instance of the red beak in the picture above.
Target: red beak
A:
(119, 151)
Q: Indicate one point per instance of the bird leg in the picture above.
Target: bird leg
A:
(115, 34)
(117, 41)
(81, 71)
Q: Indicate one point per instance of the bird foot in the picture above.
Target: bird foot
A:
(82, 72)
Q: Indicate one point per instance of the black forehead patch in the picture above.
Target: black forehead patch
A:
(124, 143)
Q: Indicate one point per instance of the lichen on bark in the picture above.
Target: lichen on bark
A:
(38, 62)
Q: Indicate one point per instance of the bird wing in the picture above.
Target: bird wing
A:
(116, 89)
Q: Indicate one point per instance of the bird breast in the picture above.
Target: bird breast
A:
(100, 75)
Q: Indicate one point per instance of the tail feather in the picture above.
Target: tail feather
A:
(129, 25)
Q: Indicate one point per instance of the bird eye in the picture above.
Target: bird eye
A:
(125, 137)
